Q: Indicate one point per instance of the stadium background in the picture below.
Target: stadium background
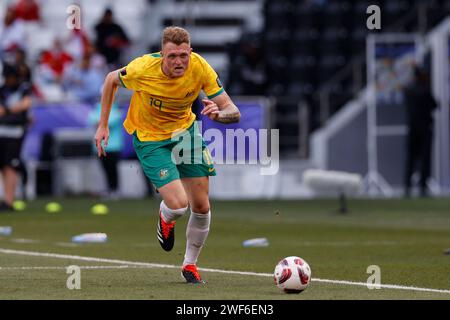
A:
(311, 69)
(305, 61)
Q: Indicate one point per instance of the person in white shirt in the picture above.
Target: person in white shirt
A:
(12, 34)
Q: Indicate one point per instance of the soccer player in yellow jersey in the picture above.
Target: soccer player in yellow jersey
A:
(164, 86)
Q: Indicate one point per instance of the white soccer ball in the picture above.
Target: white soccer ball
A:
(292, 274)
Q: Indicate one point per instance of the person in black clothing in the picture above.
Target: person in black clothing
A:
(15, 101)
(111, 38)
(22, 66)
(420, 105)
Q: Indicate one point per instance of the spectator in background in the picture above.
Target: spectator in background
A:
(27, 10)
(114, 148)
(77, 44)
(12, 35)
(249, 76)
(25, 73)
(53, 62)
(82, 81)
(49, 72)
(15, 101)
(111, 38)
(22, 66)
(25, 76)
(420, 105)
(98, 61)
(254, 70)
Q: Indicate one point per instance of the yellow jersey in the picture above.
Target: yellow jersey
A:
(161, 105)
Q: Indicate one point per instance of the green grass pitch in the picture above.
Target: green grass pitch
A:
(405, 238)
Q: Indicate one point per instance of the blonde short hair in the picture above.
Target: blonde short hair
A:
(176, 35)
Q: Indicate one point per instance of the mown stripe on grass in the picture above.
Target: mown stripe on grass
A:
(158, 265)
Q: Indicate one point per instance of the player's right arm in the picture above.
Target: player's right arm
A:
(110, 86)
(127, 77)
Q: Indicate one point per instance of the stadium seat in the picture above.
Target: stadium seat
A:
(358, 41)
(332, 41)
(394, 10)
(278, 8)
(337, 13)
(276, 13)
(300, 88)
(38, 44)
(276, 89)
(277, 68)
(307, 17)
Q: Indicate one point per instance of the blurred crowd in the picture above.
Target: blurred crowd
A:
(73, 67)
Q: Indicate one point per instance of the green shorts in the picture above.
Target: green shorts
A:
(183, 156)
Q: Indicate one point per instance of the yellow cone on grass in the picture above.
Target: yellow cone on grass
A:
(53, 207)
(99, 209)
(19, 205)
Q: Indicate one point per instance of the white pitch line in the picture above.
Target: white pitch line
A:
(89, 259)
(158, 265)
(385, 286)
(63, 268)
(20, 240)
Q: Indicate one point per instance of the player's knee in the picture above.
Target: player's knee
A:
(176, 203)
(200, 207)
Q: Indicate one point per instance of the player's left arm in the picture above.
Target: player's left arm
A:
(221, 109)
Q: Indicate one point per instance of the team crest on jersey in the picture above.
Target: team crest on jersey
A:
(163, 173)
(189, 94)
